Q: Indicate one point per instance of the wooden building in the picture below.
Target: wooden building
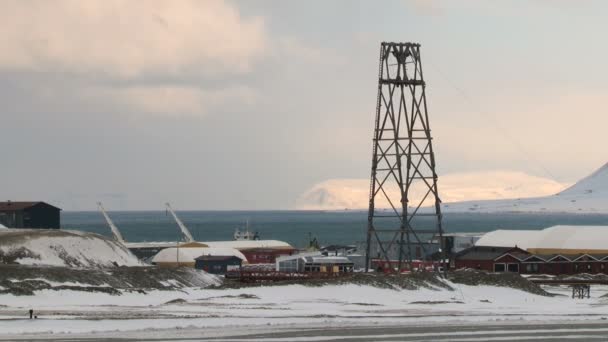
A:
(556, 264)
(555, 250)
(29, 215)
(264, 255)
(513, 259)
(491, 259)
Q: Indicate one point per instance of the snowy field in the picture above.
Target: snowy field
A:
(218, 312)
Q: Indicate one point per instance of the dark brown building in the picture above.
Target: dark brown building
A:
(513, 259)
(556, 264)
(29, 215)
(218, 264)
(491, 259)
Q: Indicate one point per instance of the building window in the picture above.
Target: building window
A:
(499, 267)
(531, 268)
(288, 266)
(513, 268)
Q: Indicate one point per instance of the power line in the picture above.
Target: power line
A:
(494, 122)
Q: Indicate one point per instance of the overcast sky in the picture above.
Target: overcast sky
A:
(246, 105)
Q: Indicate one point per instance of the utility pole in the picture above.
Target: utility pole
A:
(403, 163)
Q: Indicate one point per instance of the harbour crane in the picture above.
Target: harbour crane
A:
(117, 236)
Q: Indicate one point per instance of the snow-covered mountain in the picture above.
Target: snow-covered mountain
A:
(589, 195)
(596, 182)
(338, 194)
(484, 192)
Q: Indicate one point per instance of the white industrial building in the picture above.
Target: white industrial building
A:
(565, 240)
(185, 256)
(314, 262)
(250, 244)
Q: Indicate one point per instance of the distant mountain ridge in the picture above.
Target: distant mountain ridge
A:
(588, 195)
(492, 192)
(339, 194)
(595, 182)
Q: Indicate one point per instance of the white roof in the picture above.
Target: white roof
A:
(556, 237)
(161, 244)
(478, 234)
(316, 257)
(247, 244)
(188, 254)
(298, 256)
(574, 237)
(523, 239)
(237, 244)
(330, 259)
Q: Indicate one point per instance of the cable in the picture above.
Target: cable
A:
(494, 121)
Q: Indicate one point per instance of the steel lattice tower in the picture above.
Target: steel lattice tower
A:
(403, 163)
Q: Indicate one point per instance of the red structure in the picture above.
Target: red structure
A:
(265, 255)
(565, 264)
(513, 259)
(491, 259)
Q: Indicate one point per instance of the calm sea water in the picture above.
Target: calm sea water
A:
(295, 226)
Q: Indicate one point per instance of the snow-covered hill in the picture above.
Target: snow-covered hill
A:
(595, 185)
(62, 248)
(483, 192)
(589, 195)
(338, 194)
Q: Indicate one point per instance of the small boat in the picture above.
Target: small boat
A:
(246, 234)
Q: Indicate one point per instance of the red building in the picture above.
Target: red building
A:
(264, 255)
(565, 264)
(491, 259)
(513, 259)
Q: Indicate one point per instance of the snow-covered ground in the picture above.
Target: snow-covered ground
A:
(283, 306)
